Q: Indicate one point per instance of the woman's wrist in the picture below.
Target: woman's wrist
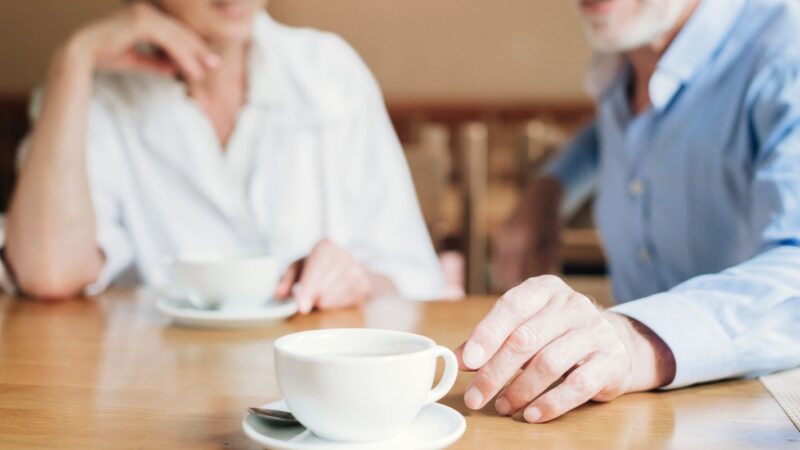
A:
(74, 57)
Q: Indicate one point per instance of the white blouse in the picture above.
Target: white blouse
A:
(313, 155)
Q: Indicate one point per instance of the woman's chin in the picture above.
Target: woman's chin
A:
(226, 36)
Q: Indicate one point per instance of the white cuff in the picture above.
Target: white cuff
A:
(702, 350)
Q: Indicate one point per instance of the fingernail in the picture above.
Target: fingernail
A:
(212, 60)
(502, 406)
(533, 414)
(473, 355)
(473, 398)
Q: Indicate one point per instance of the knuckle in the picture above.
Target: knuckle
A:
(523, 340)
(577, 299)
(516, 301)
(599, 323)
(585, 385)
(580, 301)
(550, 363)
(487, 379)
(552, 281)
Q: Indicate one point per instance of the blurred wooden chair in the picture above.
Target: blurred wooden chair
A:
(539, 141)
(430, 164)
(473, 147)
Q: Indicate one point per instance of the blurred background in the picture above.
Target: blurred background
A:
(481, 93)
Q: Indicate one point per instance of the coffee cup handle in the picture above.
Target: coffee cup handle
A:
(448, 377)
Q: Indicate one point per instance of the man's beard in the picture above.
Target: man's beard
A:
(654, 19)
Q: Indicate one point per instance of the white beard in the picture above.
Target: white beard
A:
(655, 19)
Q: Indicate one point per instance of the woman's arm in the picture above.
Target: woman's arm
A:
(51, 232)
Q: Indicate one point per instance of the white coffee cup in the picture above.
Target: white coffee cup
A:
(224, 281)
(360, 385)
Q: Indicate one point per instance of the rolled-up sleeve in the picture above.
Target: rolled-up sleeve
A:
(745, 321)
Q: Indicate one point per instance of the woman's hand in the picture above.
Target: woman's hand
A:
(115, 43)
(330, 278)
(558, 336)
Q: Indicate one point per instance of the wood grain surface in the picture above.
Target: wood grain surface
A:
(112, 373)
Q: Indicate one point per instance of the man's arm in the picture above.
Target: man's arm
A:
(746, 320)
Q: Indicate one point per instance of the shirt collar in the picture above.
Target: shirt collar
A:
(696, 44)
(268, 76)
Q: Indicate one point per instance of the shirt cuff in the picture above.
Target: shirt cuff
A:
(701, 348)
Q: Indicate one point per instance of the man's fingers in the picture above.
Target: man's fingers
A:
(523, 343)
(512, 309)
(546, 368)
(459, 351)
(578, 388)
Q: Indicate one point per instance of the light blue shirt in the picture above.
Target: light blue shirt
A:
(698, 198)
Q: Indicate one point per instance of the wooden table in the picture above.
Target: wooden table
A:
(112, 373)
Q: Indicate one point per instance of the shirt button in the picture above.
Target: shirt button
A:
(636, 187)
(644, 255)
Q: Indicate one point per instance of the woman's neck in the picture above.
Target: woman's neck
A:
(229, 76)
(223, 91)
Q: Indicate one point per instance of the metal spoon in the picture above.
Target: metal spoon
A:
(275, 415)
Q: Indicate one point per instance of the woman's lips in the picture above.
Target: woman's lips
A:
(233, 9)
(598, 6)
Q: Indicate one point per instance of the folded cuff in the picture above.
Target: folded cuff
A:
(701, 348)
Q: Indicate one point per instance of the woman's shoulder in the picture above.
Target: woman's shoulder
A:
(322, 66)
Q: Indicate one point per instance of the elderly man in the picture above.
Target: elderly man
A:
(695, 157)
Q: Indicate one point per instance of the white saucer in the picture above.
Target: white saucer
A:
(183, 313)
(437, 426)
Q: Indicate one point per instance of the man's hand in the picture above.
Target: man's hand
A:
(330, 278)
(529, 243)
(555, 334)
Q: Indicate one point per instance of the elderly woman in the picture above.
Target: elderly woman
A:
(204, 126)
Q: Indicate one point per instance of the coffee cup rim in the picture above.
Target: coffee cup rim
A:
(283, 342)
(219, 258)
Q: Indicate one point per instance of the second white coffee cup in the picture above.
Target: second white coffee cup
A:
(234, 282)
(360, 385)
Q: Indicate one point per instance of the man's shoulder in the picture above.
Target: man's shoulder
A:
(775, 29)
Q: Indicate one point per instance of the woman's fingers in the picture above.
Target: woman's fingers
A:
(350, 288)
(316, 265)
(176, 48)
(287, 281)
